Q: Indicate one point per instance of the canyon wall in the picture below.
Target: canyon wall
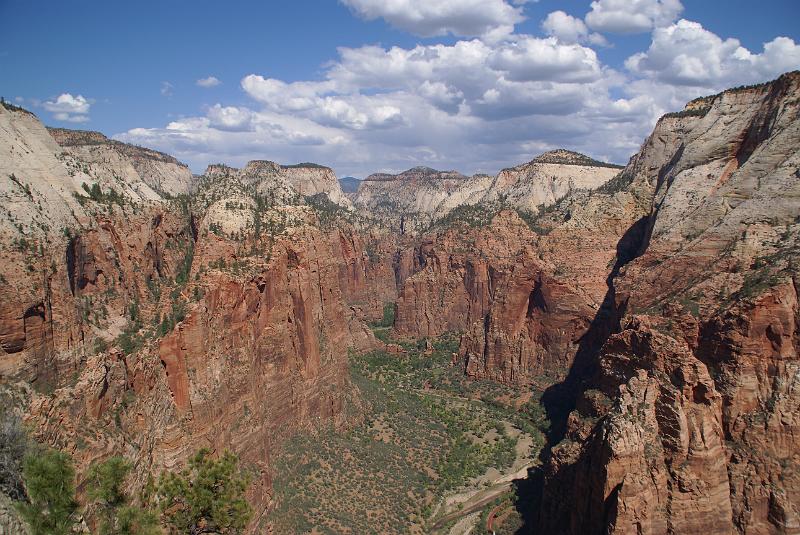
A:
(146, 326)
(522, 287)
(149, 312)
(687, 418)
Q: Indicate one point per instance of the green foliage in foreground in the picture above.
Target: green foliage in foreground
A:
(105, 484)
(207, 497)
(49, 480)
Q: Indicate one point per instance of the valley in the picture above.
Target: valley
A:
(430, 441)
(569, 346)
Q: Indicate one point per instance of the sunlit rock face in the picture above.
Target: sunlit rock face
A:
(688, 421)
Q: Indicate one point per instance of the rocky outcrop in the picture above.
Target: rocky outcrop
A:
(305, 180)
(540, 183)
(524, 293)
(519, 318)
(547, 179)
(311, 179)
(689, 420)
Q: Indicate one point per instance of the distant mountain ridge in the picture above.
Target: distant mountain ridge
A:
(421, 195)
(417, 173)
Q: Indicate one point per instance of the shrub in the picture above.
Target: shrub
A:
(13, 445)
(388, 316)
(185, 267)
(96, 194)
(477, 215)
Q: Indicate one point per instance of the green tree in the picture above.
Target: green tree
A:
(206, 497)
(49, 481)
(105, 483)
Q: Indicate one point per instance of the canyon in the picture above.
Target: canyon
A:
(649, 311)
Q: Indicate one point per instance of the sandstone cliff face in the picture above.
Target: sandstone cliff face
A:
(310, 179)
(414, 199)
(126, 165)
(36, 190)
(689, 422)
(407, 201)
(523, 294)
(148, 327)
(502, 287)
(542, 182)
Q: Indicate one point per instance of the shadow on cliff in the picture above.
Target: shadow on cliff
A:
(559, 399)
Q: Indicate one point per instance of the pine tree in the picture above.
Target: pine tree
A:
(49, 482)
(105, 483)
(207, 497)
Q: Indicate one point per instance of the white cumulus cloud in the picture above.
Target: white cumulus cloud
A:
(569, 29)
(211, 81)
(66, 107)
(233, 118)
(632, 16)
(473, 104)
(686, 54)
(534, 59)
(427, 18)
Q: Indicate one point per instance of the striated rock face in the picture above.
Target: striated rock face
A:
(406, 201)
(123, 164)
(688, 423)
(523, 294)
(272, 345)
(542, 182)
(414, 199)
(547, 179)
(311, 179)
(36, 189)
(494, 283)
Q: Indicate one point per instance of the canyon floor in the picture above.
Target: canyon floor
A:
(433, 448)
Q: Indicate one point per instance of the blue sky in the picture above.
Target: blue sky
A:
(374, 85)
